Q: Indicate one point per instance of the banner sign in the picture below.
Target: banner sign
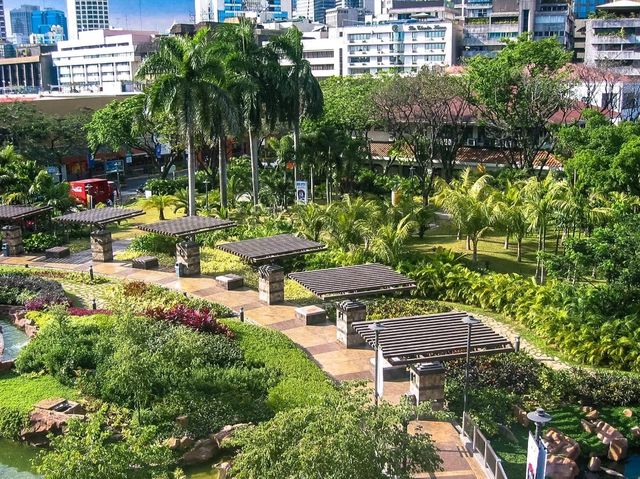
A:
(301, 192)
(380, 384)
(114, 166)
(536, 459)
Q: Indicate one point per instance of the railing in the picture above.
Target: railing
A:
(481, 445)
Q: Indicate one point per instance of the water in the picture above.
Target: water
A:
(629, 468)
(14, 340)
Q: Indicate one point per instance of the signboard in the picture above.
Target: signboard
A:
(114, 166)
(128, 158)
(158, 150)
(54, 171)
(536, 459)
(172, 171)
(301, 192)
(90, 161)
(380, 384)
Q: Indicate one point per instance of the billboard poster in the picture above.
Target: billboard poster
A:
(536, 459)
(301, 192)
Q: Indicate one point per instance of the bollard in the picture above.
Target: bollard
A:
(94, 306)
(516, 345)
(91, 273)
(241, 315)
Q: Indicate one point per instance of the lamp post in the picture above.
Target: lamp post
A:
(539, 417)
(469, 320)
(206, 193)
(376, 328)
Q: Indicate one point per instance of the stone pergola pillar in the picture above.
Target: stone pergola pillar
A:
(12, 236)
(188, 255)
(271, 283)
(347, 313)
(101, 246)
(426, 383)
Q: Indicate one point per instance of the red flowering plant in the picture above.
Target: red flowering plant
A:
(201, 320)
(74, 311)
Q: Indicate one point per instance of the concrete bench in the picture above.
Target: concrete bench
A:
(230, 281)
(145, 262)
(311, 314)
(57, 252)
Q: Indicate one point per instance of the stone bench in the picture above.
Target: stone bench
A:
(57, 252)
(311, 315)
(145, 262)
(230, 281)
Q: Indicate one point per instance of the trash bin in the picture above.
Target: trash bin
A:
(180, 270)
(5, 249)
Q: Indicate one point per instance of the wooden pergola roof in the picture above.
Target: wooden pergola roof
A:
(261, 250)
(19, 212)
(353, 281)
(99, 216)
(434, 337)
(187, 225)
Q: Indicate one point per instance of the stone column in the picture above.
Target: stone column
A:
(347, 313)
(426, 383)
(101, 246)
(271, 283)
(188, 254)
(12, 236)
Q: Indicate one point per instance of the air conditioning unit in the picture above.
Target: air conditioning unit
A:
(471, 142)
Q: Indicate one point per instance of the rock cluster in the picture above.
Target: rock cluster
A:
(563, 452)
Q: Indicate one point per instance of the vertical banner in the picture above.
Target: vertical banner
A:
(301, 192)
(380, 385)
(536, 459)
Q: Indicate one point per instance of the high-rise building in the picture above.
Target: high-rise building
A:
(314, 10)
(3, 27)
(582, 8)
(21, 26)
(221, 10)
(86, 15)
(43, 20)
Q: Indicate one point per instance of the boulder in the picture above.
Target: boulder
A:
(618, 449)
(593, 414)
(635, 430)
(223, 470)
(627, 412)
(594, 464)
(226, 433)
(560, 445)
(172, 443)
(186, 442)
(202, 451)
(43, 423)
(587, 426)
(559, 467)
(521, 416)
(586, 409)
(182, 421)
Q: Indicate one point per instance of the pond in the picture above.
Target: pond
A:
(14, 340)
(629, 469)
(16, 463)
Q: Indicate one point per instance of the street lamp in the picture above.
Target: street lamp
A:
(376, 328)
(469, 320)
(539, 417)
(206, 192)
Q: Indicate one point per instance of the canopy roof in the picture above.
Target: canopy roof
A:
(434, 337)
(18, 212)
(187, 225)
(353, 281)
(260, 250)
(99, 216)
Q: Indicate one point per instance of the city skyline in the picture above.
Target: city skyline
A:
(125, 15)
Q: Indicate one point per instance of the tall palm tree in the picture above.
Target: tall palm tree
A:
(511, 215)
(300, 92)
(253, 70)
(185, 78)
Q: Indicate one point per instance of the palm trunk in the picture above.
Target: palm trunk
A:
(506, 240)
(519, 253)
(468, 242)
(253, 146)
(191, 172)
(296, 146)
(222, 168)
(312, 196)
(474, 241)
(161, 214)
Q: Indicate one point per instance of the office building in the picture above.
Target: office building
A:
(261, 10)
(21, 22)
(3, 26)
(27, 69)
(342, 17)
(86, 15)
(314, 10)
(102, 60)
(42, 21)
(583, 8)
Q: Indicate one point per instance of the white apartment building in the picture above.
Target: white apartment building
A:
(402, 47)
(86, 15)
(101, 60)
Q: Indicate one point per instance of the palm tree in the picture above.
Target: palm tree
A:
(158, 202)
(185, 79)
(310, 220)
(352, 222)
(16, 175)
(389, 242)
(252, 69)
(511, 215)
(300, 92)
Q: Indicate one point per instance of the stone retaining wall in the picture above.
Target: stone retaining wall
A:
(17, 316)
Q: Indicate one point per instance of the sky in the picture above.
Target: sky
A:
(157, 15)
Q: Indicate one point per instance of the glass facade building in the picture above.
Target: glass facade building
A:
(43, 20)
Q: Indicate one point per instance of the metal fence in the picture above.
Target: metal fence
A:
(481, 445)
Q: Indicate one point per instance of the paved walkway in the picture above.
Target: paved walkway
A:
(319, 341)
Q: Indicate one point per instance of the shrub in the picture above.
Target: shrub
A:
(40, 242)
(74, 311)
(11, 422)
(201, 320)
(30, 291)
(152, 243)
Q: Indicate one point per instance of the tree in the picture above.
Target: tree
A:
(185, 78)
(511, 215)
(300, 93)
(16, 175)
(345, 438)
(518, 91)
(310, 220)
(158, 202)
(389, 242)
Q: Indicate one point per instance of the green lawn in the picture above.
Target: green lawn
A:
(23, 392)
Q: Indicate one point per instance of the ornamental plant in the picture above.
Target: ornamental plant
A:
(201, 320)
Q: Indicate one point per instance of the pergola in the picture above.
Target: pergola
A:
(99, 217)
(12, 216)
(187, 252)
(353, 281)
(270, 248)
(430, 338)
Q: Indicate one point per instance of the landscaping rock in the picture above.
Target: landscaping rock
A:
(203, 451)
(618, 449)
(223, 470)
(593, 414)
(635, 430)
(586, 409)
(172, 443)
(559, 467)
(43, 423)
(521, 416)
(182, 443)
(226, 433)
(587, 426)
(182, 421)
(627, 412)
(594, 464)
(561, 445)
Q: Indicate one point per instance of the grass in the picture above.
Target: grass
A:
(513, 455)
(22, 392)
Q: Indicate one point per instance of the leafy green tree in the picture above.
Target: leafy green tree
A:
(351, 223)
(310, 220)
(390, 240)
(345, 438)
(518, 91)
(16, 175)
(185, 79)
